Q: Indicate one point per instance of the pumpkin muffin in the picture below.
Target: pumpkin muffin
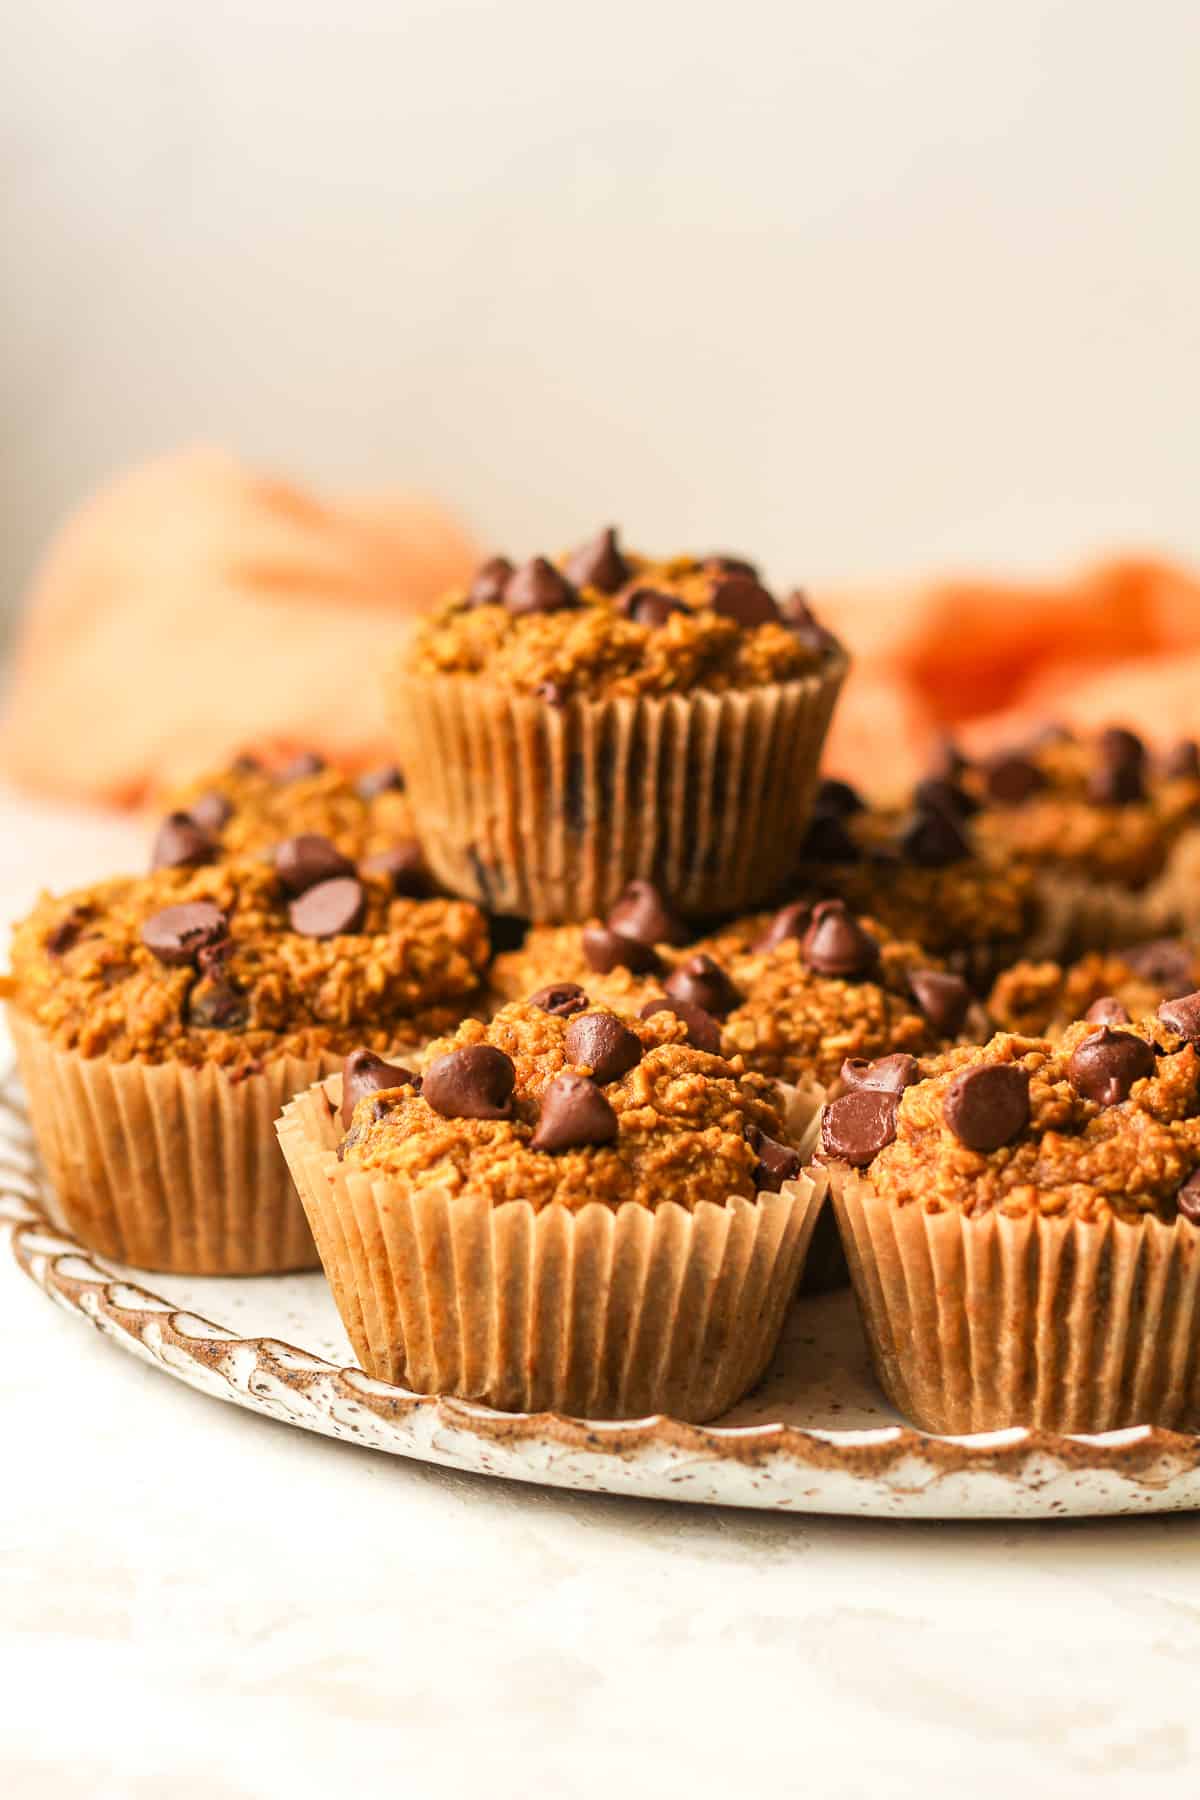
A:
(162, 1021)
(1040, 999)
(567, 1208)
(1021, 1224)
(567, 728)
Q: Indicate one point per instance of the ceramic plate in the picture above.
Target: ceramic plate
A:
(816, 1436)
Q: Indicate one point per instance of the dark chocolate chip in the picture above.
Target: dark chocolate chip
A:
(740, 598)
(1182, 761)
(651, 607)
(574, 1114)
(702, 982)
(216, 1003)
(933, 795)
(365, 1073)
(1107, 1010)
(777, 1162)
(1118, 777)
(886, 1075)
(245, 764)
(789, 922)
(1165, 963)
(553, 693)
(640, 912)
(720, 564)
(1106, 1064)
(836, 945)
(1182, 1016)
(933, 839)
(797, 615)
(404, 866)
(538, 587)
(61, 937)
(301, 862)
(384, 780)
(606, 950)
(987, 1106)
(475, 1082)
(330, 909)
(857, 1127)
(599, 563)
(560, 999)
(489, 582)
(211, 810)
(181, 844)
(1188, 1198)
(608, 1048)
(942, 998)
(306, 764)
(1009, 779)
(178, 933)
(826, 840)
(703, 1031)
(838, 798)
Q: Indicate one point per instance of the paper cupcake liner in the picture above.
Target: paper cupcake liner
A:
(548, 812)
(1074, 914)
(602, 1313)
(165, 1166)
(981, 1324)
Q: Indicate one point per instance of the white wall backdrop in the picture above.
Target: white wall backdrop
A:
(873, 287)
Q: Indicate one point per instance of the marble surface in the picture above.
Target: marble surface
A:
(198, 1602)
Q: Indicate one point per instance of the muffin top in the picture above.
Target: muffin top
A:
(230, 964)
(1106, 1121)
(571, 1105)
(793, 993)
(251, 807)
(1098, 805)
(1040, 999)
(603, 622)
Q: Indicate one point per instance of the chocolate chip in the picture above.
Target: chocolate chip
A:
(720, 564)
(574, 1114)
(560, 1000)
(826, 840)
(703, 1031)
(1009, 779)
(740, 598)
(301, 767)
(475, 1082)
(329, 909)
(1188, 1198)
(245, 764)
(301, 862)
(933, 839)
(605, 950)
(1107, 1010)
(61, 937)
(1118, 777)
(857, 1127)
(1182, 761)
(1106, 1064)
(933, 795)
(796, 613)
(942, 998)
(599, 563)
(553, 693)
(1165, 963)
(651, 607)
(886, 1075)
(702, 982)
(789, 922)
(537, 587)
(1182, 1016)
(988, 1105)
(178, 933)
(216, 1003)
(608, 1048)
(211, 810)
(640, 912)
(776, 1163)
(404, 866)
(181, 844)
(365, 1073)
(838, 798)
(384, 780)
(836, 945)
(489, 582)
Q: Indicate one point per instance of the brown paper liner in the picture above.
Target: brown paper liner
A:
(548, 812)
(603, 1313)
(980, 1324)
(1074, 914)
(165, 1166)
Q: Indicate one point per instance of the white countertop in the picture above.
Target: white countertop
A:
(195, 1602)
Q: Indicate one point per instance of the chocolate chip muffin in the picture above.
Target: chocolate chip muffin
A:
(568, 1208)
(569, 726)
(161, 1022)
(1021, 1222)
(1040, 999)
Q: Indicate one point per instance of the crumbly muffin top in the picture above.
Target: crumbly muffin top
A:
(229, 964)
(1107, 1120)
(604, 622)
(1040, 999)
(793, 993)
(574, 1107)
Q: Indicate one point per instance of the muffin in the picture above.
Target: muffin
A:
(1110, 987)
(161, 1022)
(566, 729)
(1021, 1223)
(569, 1209)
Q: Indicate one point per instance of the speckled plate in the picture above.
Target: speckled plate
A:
(816, 1436)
